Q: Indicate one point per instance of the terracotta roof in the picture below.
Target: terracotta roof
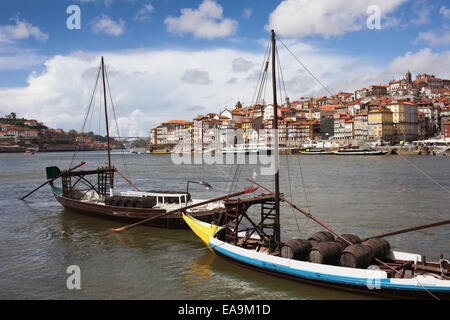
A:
(176, 122)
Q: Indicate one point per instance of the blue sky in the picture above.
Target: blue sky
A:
(330, 37)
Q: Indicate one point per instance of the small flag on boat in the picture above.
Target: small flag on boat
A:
(206, 185)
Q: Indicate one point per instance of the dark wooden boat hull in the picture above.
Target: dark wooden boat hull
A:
(134, 214)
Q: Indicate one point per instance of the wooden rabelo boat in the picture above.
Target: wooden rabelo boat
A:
(359, 152)
(326, 258)
(315, 152)
(92, 192)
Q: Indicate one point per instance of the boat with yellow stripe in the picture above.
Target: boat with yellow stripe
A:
(252, 238)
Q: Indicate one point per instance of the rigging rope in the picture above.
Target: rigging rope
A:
(262, 74)
(290, 195)
(310, 73)
(425, 174)
(88, 111)
(115, 122)
(281, 72)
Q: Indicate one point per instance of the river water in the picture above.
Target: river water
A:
(361, 195)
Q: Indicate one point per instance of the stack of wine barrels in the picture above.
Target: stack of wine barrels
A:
(323, 248)
(360, 255)
(329, 250)
(299, 249)
(131, 202)
(146, 202)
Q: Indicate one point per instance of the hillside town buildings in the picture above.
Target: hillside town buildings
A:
(23, 133)
(400, 111)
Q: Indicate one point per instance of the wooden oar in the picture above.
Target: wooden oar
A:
(51, 180)
(304, 212)
(409, 229)
(185, 208)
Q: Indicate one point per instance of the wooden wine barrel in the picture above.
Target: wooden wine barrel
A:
(350, 237)
(356, 256)
(326, 252)
(113, 201)
(120, 201)
(297, 249)
(146, 202)
(380, 247)
(130, 202)
(322, 236)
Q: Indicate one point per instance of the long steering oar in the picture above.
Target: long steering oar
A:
(51, 180)
(440, 223)
(185, 208)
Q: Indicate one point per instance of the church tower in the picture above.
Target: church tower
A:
(408, 77)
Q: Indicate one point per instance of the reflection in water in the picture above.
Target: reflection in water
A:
(198, 273)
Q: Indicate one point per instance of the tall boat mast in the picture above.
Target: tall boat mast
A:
(111, 188)
(275, 127)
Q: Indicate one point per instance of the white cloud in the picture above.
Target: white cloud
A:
(106, 2)
(22, 29)
(148, 88)
(194, 76)
(434, 40)
(12, 55)
(144, 13)
(20, 60)
(241, 65)
(423, 11)
(445, 12)
(104, 24)
(206, 21)
(133, 125)
(422, 61)
(300, 18)
(247, 13)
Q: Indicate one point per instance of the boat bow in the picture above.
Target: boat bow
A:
(202, 229)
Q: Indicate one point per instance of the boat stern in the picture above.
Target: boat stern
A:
(53, 172)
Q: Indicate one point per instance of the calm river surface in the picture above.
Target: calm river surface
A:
(352, 194)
